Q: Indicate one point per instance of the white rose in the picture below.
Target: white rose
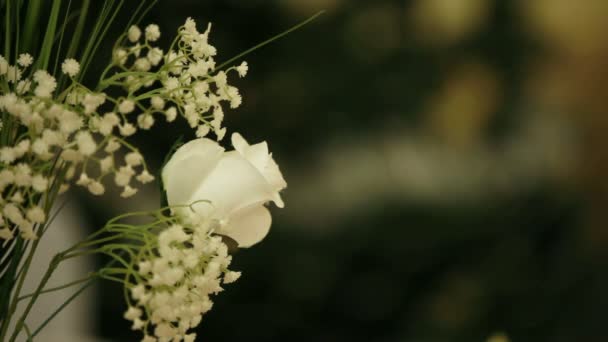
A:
(236, 183)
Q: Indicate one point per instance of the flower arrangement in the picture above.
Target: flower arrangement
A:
(56, 132)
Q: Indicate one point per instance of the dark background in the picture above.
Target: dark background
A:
(446, 168)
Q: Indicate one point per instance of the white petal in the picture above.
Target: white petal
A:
(239, 143)
(188, 168)
(234, 184)
(248, 226)
(274, 175)
(256, 154)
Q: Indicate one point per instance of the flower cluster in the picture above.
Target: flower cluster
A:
(189, 85)
(59, 135)
(172, 278)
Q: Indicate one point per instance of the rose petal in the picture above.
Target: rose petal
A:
(248, 226)
(256, 154)
(188, 167)
(234, 184)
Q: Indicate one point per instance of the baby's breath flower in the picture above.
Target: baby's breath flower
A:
(112, 146)
(134, 33)
(157, 102)
(127, 130)
(152, 32)
(242, 69)
(155, 55)
(86, 144)
(126, 106)
(128, 191)
(96, 188)
(6, 233)
(70, 67)
(3, 65)
(25, 60)
(36, 214)
(145, 121)
(13, 74)
(40, 183)
(133, 158)
(171, 114)
(145, 177)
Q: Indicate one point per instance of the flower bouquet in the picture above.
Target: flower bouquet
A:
(58, 131)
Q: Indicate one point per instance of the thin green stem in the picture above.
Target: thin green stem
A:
(47, 275)
(60, 287)
(268, 41)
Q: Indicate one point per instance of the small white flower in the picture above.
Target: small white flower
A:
(120, 56)
(112, 146)
(134, 33)
(127, 130)
(6, 233)
(202, 131)
(134, 158)
(145, 121)
(128, 192)
(7, 155)
(13, 213)
(142, 64)
(155, 55)
(25, 60)
(85, 142)
(157, 102)
(70, 67)
(145, 177)
(171, 114)
(231, 277)
(23, 175)
(46, 84)
(36, 215)
(106, 164)
(242, 69)
(84, 180)
(13, 74)
(40, 183)
(152, 32)
(96, 188)
(126, 106)
(3, 66)
(132, 313)
(123, 176)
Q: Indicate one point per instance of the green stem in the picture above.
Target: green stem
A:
(61, 287)
(47, 275)
(268, 41)
(62, 306)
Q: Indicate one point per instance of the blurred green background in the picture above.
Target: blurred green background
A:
(446, 164)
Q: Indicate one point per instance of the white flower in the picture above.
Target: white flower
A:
(25, 60)
(134, 33)
(128, 191)
(127, 129)
(126, 106)
(70, 67)
(134, 158)
(85, 142)
(96, 188)
(171, 114)
(40, 183)
(155, 55)
(36, 214)
(157, 102)
(145, 177)
(152, 32)
(242, 69)
(236, 183)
